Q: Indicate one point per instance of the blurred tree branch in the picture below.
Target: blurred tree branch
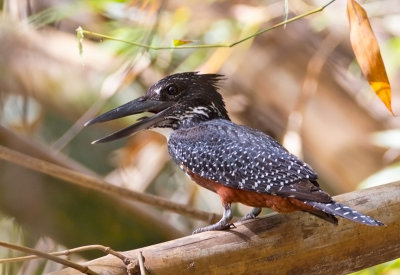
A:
(94, 183)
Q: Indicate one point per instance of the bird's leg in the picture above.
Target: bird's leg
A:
(223, 224)
(252, 214)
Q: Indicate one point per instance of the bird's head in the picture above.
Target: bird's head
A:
(177, 101)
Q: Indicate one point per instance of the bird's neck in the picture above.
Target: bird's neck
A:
(197, 116)
(189, 116)
(187, 119)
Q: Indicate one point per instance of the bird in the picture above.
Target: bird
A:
(240, 164)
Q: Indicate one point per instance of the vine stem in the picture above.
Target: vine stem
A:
(81, 32)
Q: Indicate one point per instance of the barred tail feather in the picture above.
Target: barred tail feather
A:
(321, 214)
(338, 209)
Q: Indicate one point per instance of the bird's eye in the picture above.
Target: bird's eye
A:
(172, 90)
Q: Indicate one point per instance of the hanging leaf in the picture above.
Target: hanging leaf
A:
(366, 50)
(178, 42)
(79, 36)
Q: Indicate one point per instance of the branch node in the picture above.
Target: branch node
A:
(133, 267)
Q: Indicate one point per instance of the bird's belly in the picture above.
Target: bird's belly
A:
(254, 199)
(276, 203)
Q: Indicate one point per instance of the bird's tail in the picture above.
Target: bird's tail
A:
(338, 209)
(322, 215)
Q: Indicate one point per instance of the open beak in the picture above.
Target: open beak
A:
(136, 106)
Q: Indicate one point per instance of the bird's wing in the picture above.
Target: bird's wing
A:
(243, 158)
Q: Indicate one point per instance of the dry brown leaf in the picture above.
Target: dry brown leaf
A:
(367, 52)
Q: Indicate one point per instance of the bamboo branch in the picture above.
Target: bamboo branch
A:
(97, 184)
(81, 32)
(295, 243)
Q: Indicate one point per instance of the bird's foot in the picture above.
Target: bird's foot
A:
(214, 227)
(251, 215)
(223, 224)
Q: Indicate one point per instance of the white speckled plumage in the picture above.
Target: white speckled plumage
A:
(240, 157)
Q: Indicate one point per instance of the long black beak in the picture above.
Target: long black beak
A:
(136, 106)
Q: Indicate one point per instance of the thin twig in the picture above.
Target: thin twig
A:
(93, 183)
(78, 126)
(141, 264)
(81, 268)
(116, 80)
(132, 265)
(81, 32)
(67, 252)
(286, 11)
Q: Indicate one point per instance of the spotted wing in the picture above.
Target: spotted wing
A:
(243, 158)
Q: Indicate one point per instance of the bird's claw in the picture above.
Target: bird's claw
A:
(251, 215)
(214, 227)
(247, 217)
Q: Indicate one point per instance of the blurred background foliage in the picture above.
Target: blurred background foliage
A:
(299, 84)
